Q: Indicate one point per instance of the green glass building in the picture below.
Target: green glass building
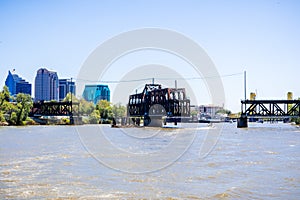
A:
(95, 93)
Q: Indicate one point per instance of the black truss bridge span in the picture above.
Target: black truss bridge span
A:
(155, 102)
(40, 109)
(271, 109)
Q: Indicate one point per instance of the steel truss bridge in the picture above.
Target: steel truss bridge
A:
(156, 102)
(271, 109)
(54, 109)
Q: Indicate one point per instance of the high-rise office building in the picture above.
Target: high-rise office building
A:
(17, 85)
(95, 93)
(46, 85)
(66, 86)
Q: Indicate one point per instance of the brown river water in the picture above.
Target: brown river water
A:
(74, 162)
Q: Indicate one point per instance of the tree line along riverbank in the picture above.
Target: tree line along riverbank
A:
(14, 111)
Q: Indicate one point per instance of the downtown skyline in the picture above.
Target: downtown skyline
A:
(261, 38)
(47, 85)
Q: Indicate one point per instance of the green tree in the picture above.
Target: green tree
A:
(7, 110)
(118, 110)
(12, 120)
(2, 118)
(105, 109)
(223, 111)
(85, 107)
(5, 105)
(194, 113)
(23, 107)
(70, 97)
(94, 117)
(14, 112)
(4, 96)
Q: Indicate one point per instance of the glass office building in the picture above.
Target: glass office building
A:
(66, 86)
(46, 85)
(95, 93)
(17, 85)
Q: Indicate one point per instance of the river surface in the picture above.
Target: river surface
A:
(70, 162)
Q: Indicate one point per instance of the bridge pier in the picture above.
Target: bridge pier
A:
(71, 120)
(242, 122)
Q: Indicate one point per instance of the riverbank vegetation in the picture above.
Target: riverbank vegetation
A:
(296, 120)
(104, 112)
(15, 110)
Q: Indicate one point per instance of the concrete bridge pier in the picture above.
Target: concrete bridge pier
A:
(242, 122)
(72, 120)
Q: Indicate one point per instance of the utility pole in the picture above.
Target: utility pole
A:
(71, 89)
(71, 115)
(245, 85)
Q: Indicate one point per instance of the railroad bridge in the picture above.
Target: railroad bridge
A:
(271, 109)
(42, 108)
(155, 102)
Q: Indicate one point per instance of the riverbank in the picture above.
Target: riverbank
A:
(57, 122)
(4, 124)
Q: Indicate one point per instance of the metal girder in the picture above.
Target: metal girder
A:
(53, 109)
(158, 101)
(271, 108)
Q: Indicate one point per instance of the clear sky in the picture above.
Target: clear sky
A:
(261, 37)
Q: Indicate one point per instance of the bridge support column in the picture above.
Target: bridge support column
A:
(242, 122)
(153, 121)
(71, 120)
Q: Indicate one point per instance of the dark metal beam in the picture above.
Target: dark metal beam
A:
(271, 108)
(156, 101)
(53, 109)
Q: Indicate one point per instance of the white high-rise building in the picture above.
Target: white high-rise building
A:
(46, 85)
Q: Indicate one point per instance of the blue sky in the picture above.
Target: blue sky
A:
(261, 37)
